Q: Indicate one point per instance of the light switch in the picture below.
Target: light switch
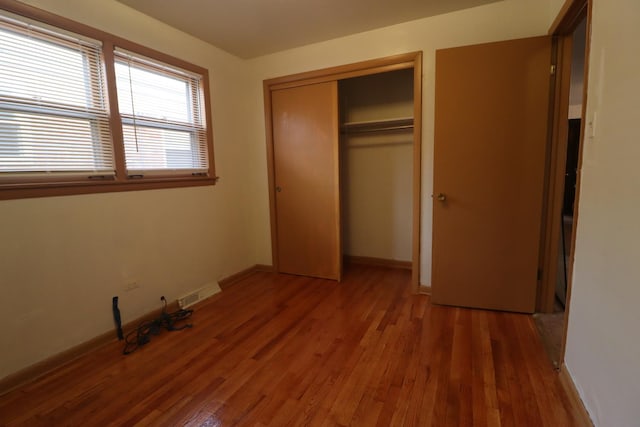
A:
(591, 126)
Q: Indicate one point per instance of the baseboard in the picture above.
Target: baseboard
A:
(424, 289)
(47, 365)
(379, 262)
(577, 405)
(234, 278)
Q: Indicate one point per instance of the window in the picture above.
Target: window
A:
(84, 111)
(53, 114)
(162, 121)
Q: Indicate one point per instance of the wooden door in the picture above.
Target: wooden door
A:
(306, 171)
(491, 114)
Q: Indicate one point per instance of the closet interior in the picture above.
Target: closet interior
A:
(376, 167)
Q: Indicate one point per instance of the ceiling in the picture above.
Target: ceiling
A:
(250, 28)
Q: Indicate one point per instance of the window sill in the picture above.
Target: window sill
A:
(52, 189)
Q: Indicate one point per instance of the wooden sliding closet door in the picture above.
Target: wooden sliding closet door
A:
(306, 171)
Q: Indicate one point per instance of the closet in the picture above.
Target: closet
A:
(343, 150)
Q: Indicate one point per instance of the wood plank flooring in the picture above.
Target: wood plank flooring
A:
(278, 350)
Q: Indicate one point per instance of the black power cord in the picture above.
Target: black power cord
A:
(142, 334)
(116, 318)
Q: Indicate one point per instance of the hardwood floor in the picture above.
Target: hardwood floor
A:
(277, 350)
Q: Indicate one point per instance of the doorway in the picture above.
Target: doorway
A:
(551, 323)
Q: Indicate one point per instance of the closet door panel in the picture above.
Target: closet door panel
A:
(306, 172)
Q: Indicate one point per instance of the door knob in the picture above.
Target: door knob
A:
(441, 197)
(278, 189)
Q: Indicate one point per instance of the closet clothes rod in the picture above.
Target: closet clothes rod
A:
(377, 144)
(389, 125)
(377, 129)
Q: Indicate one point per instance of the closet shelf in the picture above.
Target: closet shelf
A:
(398, 124)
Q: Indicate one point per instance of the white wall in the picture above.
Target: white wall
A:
(554, 9)
(377, 168)
(603, 349)
(509, 19)
(62, 259)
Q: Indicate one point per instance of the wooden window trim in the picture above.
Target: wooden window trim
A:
(121, 182)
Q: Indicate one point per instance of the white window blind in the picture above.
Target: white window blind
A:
(162, 116)
(53, 111)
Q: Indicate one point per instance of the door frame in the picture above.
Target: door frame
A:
(570, 15)
(375, 66)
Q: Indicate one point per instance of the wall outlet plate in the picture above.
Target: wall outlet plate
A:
(130, 286)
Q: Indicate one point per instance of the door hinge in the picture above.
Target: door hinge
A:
(539, 274)
(553, 69)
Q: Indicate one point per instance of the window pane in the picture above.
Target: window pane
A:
(150, 94)
(40, 143)
(53, 115)
(42, 71)
(151, 148)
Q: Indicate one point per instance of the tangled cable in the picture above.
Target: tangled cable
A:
(142, 334)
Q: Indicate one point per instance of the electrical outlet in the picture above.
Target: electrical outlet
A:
(131, 286)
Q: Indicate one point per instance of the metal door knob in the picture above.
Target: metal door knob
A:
(441, 197)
